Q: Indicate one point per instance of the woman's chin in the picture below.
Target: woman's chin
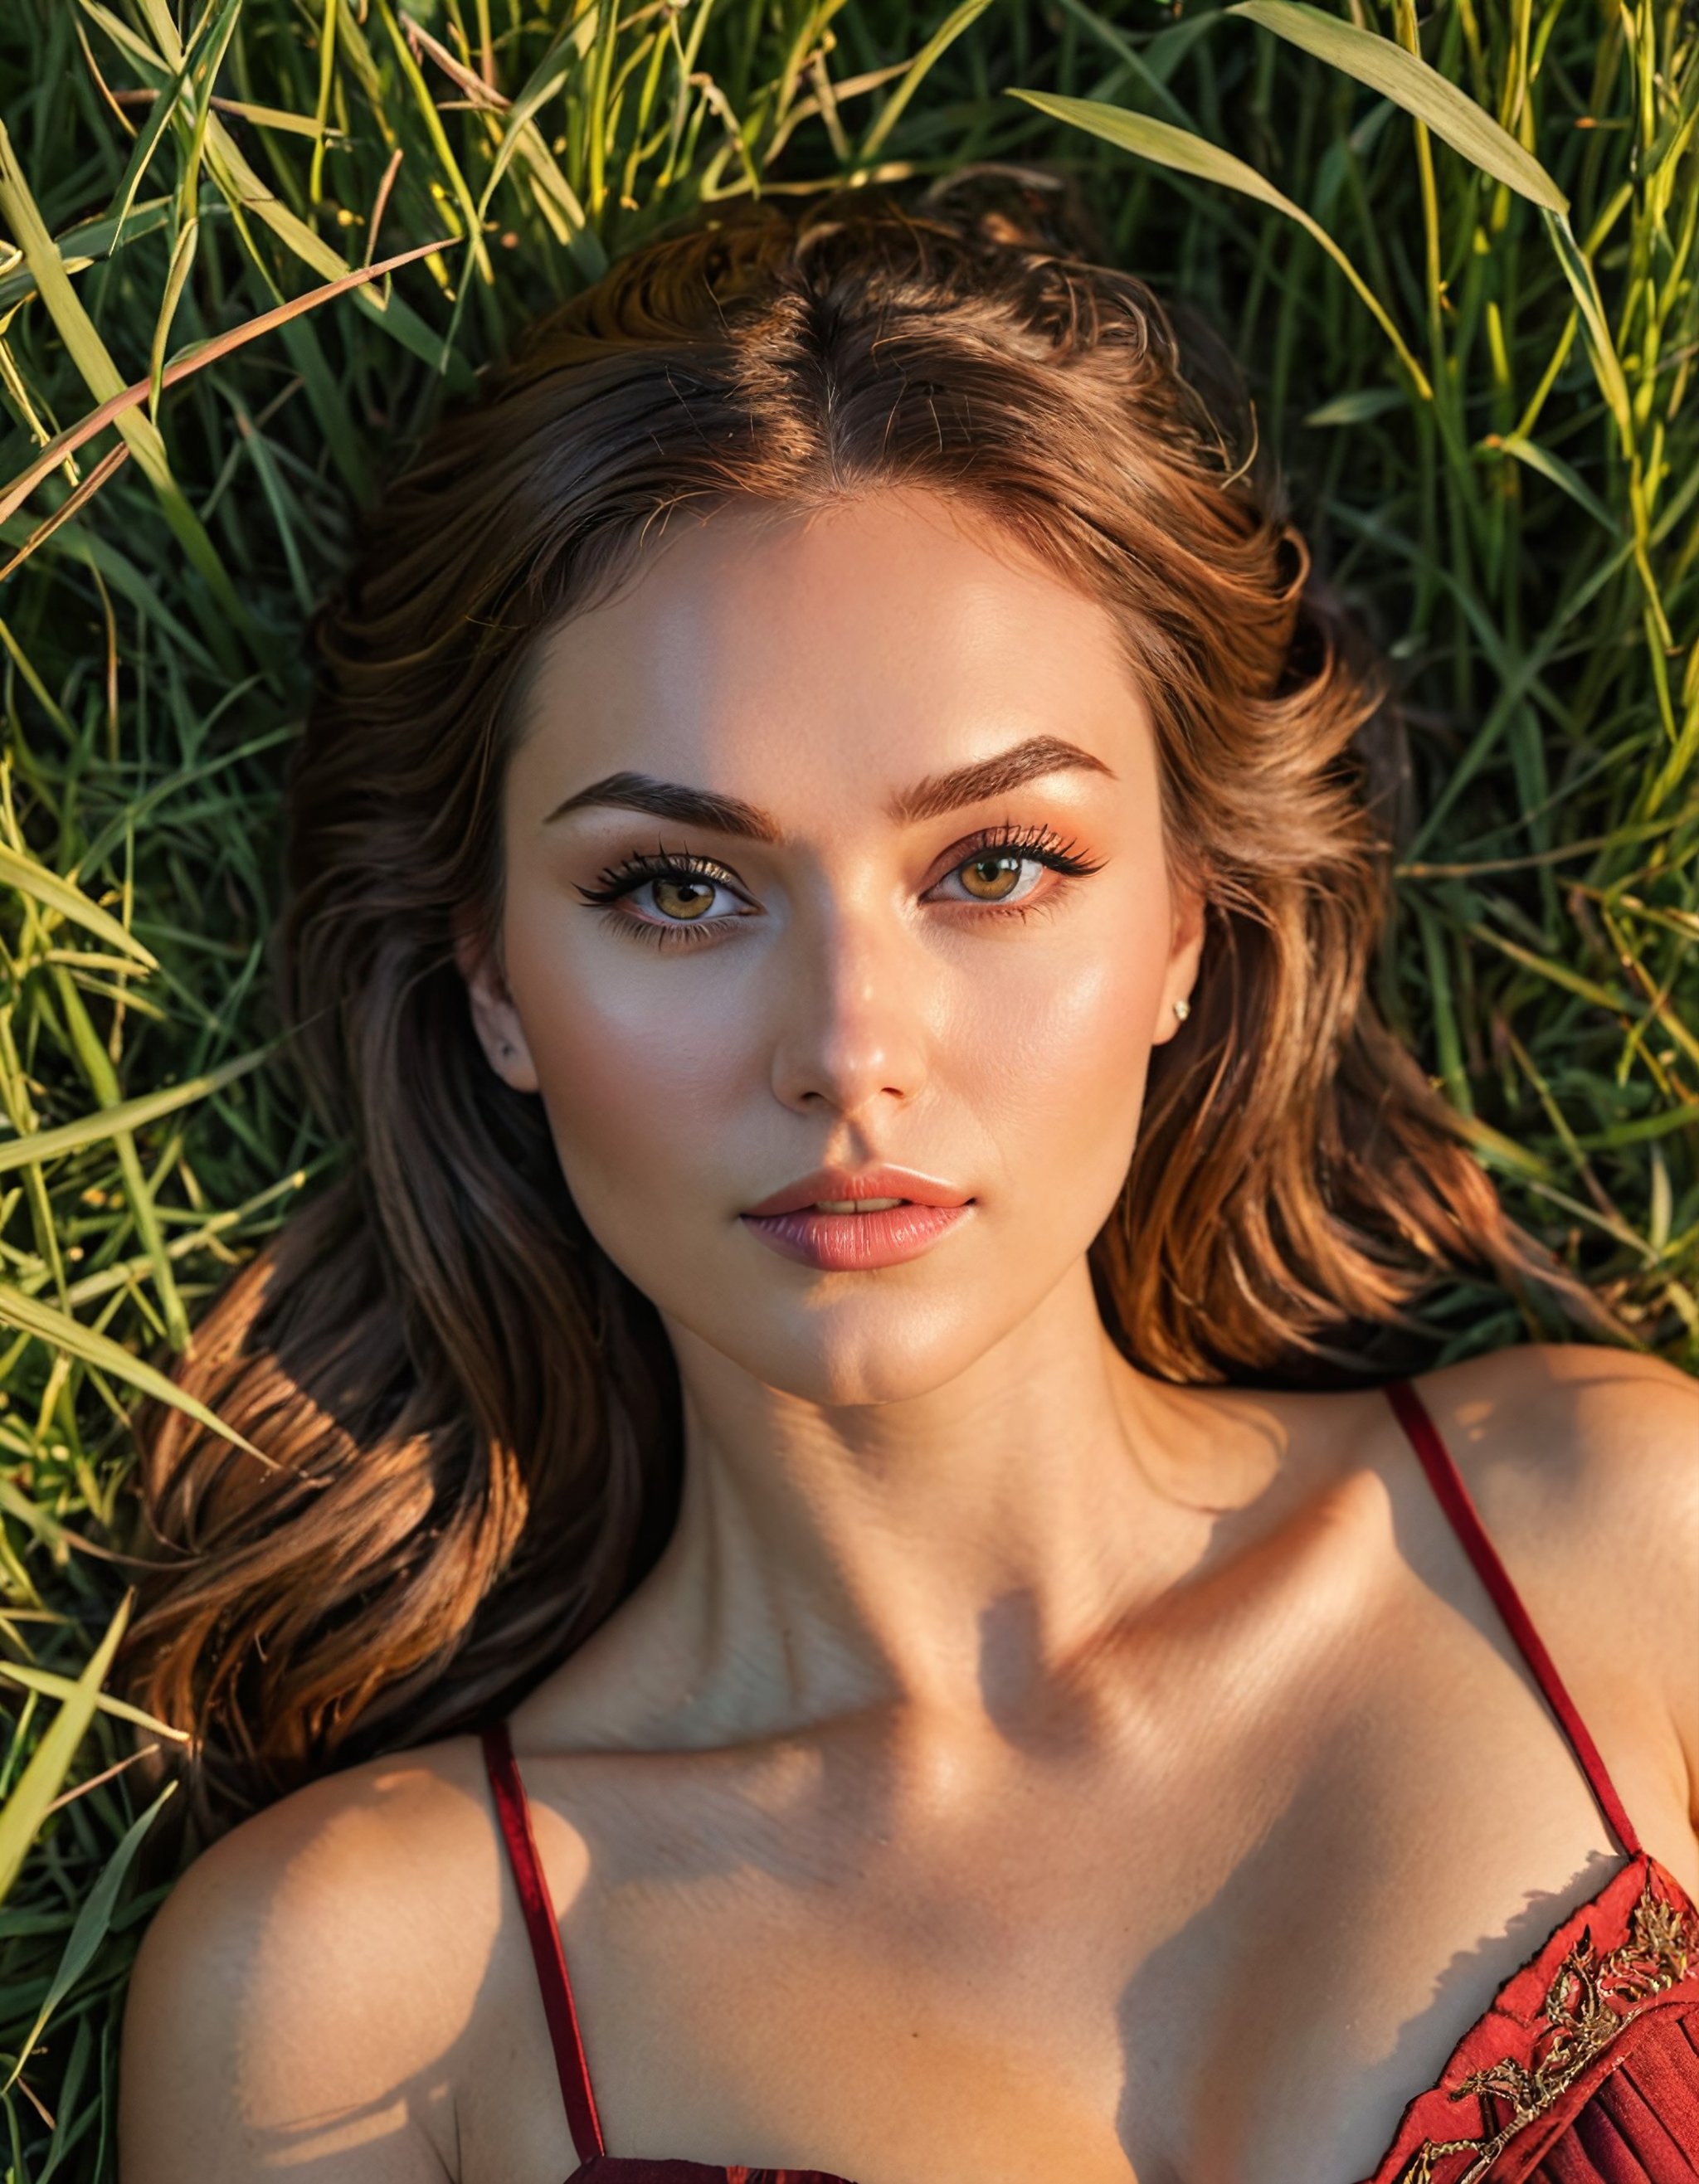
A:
(842, 1350)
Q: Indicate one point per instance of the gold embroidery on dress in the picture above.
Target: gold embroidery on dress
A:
(1590, 2000)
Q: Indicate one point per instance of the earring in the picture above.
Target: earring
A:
(1182, 1008)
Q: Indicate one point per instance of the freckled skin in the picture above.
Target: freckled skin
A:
(1014, 1768)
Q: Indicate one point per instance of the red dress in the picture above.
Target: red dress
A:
(1584, 2071)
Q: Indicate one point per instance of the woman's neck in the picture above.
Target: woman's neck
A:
(953, 1552)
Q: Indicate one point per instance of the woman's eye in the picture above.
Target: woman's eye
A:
(662, 899)
(996, 876)
(684, 897)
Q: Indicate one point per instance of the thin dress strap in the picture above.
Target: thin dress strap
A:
(1455, 1500)
(514, 1814)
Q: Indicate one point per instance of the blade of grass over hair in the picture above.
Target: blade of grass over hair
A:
(1408, 81)
(64, 1687)
(52, 1759)
(1185, 153)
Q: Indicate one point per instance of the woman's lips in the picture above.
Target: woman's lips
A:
(850, 1243)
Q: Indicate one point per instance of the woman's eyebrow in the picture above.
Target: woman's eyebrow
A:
(928, 798)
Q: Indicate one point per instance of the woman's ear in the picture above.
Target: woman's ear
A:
(1185, 951)
(495, 1018)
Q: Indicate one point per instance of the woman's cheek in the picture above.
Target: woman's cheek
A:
(1073, 1052)
(636, 1071)
(627, 1085)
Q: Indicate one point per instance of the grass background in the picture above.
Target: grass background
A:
(1523, 536)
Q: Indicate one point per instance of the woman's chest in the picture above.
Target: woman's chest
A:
(1109, 1975)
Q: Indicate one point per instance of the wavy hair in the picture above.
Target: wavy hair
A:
(468, 1420)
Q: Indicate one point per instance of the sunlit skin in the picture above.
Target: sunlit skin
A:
(1016, 1768)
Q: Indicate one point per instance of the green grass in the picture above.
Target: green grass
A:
(1496, 457)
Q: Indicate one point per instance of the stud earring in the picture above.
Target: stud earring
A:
(1182, 1008)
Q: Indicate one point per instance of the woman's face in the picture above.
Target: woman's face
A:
(922, 919)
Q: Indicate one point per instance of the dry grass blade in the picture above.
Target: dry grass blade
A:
(73, 505)
(208, 352)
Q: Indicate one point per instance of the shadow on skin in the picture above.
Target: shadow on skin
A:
(719, 1832)
(1009, 1633)
(1464, 1989)
(1265, 1978)
(1269, 2134)
(1009, 1639)
(422, 2104)
(767, 1838)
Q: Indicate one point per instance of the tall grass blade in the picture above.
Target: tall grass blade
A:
(30, 879)
(946, 34)
(93, 1921)
(1164, 145)
(31, 1317)
(125, 1115)
(101, 376)
(1408, 81)
(50, 1761)
(208, 352)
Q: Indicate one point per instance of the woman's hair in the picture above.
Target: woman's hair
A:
(468, 1419)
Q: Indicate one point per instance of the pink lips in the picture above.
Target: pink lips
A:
(845, 1243)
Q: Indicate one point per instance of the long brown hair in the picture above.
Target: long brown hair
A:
(469, 1419)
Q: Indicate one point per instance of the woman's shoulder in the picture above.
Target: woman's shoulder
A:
(1603, 1442)
(1583, 1463)
(334, 1940)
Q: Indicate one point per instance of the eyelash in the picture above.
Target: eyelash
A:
(617, 881)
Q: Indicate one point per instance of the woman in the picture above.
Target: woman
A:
(832, 884)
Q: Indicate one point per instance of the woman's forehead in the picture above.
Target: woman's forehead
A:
(882, 634)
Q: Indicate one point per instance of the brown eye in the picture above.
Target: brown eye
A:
(993, 876)
(683, 898)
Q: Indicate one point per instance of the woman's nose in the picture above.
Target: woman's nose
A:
(851, 1012)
